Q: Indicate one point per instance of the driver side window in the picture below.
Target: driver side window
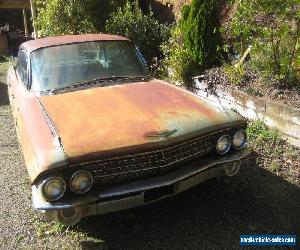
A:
(22, 66)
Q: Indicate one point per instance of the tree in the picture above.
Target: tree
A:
(200, 30)
(63, 17)
(144, 30)
(100, 10)
(272, 28)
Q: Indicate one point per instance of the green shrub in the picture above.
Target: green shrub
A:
(4, 58)
(178, 63)
(233, 73)
(194, 42)
(265, 140)
(258, 131)
(272, 28)
(200, 30)
(58, 17)
(100, 10)
(144, 30)
(275, 59)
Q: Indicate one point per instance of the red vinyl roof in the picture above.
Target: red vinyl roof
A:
(61, 40)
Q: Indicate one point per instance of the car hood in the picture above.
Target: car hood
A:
(104, 121)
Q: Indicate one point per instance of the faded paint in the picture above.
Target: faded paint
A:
(61, 40)
(102, 121)
(40, 148)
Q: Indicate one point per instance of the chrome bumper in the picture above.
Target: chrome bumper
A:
(128, 195)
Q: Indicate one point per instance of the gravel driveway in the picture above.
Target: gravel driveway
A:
(210, 216)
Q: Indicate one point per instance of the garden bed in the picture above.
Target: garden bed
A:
(255, 86)
(252, 99)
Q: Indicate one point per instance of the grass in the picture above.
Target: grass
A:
(274, 153)
(45, 229)
(260, 135)
(51, 228)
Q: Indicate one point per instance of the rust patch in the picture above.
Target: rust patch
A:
(99, 120)
(40, 149)
(156, 98)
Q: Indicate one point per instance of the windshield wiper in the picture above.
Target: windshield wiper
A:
(131, 78)
(105, 81)
(76, 86)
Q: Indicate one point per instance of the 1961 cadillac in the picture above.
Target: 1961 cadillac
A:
(99, 135)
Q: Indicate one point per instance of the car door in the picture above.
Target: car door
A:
(23, 102)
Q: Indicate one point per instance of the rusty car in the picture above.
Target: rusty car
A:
(99, 134)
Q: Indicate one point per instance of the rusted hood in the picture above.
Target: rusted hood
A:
(105, 120)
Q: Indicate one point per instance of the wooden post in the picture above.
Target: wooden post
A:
(33, 14)
(25, 22)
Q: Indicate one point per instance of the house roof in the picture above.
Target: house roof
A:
(14, 4)
(62, 40)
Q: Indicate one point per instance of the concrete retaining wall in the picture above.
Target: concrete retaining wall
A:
(286, 119)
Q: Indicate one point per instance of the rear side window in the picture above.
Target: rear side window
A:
(22, 65)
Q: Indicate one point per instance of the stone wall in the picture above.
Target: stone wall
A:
(282, 117)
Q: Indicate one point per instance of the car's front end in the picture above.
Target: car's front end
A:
(117, 183)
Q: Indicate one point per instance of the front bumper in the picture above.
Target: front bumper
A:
(137, 193)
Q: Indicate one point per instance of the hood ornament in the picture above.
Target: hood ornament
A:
(163, 133)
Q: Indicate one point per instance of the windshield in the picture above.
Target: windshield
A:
(65, 65)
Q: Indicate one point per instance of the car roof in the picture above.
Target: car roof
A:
(69, 39)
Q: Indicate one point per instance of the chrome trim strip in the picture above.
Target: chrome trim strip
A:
(51, 126)
(48, 119)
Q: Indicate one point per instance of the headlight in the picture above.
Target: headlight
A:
(53, 188)
(81, 182)
(240, 140)
(223, 144)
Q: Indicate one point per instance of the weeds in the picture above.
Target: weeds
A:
(234, 74)
(274, 154)
(259, 132)
(272, 29)
(253, 92)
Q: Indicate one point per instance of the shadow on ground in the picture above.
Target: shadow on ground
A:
(210, 216)
(3, 94)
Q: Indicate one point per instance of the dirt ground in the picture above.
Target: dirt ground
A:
(210, 216)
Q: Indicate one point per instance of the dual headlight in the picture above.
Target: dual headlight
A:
(225, 142)
(55, 187)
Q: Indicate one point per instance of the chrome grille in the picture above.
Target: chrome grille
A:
(148, 164)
